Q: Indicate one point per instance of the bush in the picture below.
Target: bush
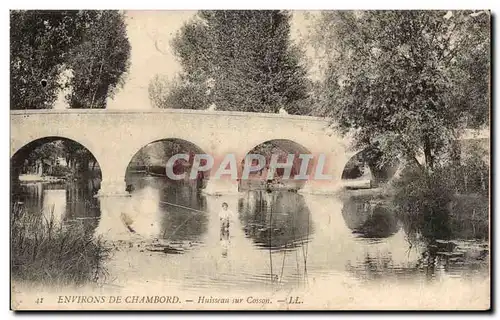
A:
(432, 203)
(44, 251)
(422, 199)
(472, 177)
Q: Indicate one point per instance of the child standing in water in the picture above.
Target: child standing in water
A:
(225, 215)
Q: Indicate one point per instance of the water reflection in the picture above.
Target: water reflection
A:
(369, 218)
(169, 210)
(54, 202)
(432, 245)
(454, 241)
(224, 238)
(278, 239)
(71, 202)
(467, 218)
(275, 220)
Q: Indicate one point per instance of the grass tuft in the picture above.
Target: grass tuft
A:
(50, 252)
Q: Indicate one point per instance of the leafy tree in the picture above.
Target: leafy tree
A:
(74, 153)
(39, 45)
(405, 82)
(142, 158)
(100, 59)
(45, 152)
(70, 150)
(239, 60)
(45, 44)
(177, 94)
(84, 157)
(158, 91)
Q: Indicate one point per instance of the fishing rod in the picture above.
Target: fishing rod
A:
(180, 206)
(185, 221)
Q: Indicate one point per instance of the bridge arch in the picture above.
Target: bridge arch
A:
(363, 169)
(283, 143)
(283, 148)
(152, 158)
(21, 150)
(20, 142)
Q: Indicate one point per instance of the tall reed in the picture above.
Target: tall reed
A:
(44, 250)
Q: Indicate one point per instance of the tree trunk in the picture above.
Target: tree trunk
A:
(429, 161)
(97, 86)
(98, 79)
(456, 152)
(483, 181)
(85, 164)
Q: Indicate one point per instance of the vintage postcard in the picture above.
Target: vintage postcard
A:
(250, 160)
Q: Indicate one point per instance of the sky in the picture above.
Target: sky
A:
(149, 34)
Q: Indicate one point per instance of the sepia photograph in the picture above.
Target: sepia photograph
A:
(250, 160)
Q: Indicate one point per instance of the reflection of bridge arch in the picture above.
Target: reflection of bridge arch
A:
(278, 220)
(369, 218)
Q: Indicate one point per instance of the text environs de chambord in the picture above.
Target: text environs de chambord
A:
(158, 299)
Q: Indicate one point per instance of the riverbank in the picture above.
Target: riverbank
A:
(383, 192)
(31, 178)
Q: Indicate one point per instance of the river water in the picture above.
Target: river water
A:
(275, 240)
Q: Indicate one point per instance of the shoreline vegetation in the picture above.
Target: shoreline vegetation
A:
(46, 251)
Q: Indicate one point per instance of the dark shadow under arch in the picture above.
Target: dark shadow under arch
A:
(366, 166)
(77, 151)
(258, 181)
(151, 159)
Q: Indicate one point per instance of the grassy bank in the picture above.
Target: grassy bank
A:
(46, 251)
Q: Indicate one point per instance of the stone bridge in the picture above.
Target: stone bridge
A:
(115, 136)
